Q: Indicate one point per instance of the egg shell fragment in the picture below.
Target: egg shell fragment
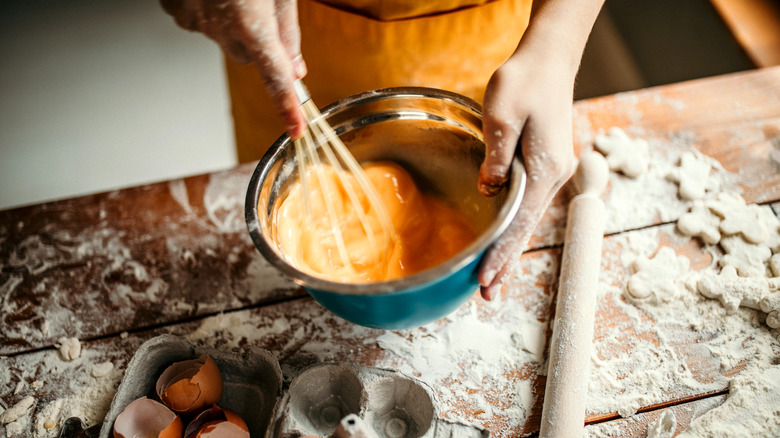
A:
(213, 416)
(148, 418)
(190, 385)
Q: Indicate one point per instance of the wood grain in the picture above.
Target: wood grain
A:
(175, 257)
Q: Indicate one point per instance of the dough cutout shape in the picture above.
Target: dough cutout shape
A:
(771, 305)
(748, 259)
(739, 218)
(774, 265)
(771, 224)
(657, 276)
(624, 154)
(700, 222)
(748, 233)
(692, 176)
(735, 291)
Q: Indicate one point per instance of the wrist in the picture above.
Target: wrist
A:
(559, 30)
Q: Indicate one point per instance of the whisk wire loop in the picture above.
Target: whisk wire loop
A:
(320, 137)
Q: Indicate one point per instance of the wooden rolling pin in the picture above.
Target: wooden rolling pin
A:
(563, 413)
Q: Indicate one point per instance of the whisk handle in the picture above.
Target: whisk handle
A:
(301, 92)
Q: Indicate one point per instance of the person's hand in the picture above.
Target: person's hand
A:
(262, 32)
(526, 108)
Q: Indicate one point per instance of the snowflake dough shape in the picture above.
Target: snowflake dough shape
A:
(748, 259)
(623, 153)
(701, 222)
(693, 176)
(657, 275)
(735, 291)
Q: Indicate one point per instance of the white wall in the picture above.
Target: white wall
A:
(97, 95)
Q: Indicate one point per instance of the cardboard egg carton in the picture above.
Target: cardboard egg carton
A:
(325, 400)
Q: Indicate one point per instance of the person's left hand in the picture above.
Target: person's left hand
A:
(527, 109)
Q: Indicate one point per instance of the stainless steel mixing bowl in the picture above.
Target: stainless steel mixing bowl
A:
(437, 137)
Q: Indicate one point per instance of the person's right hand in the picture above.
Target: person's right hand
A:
(262, 32)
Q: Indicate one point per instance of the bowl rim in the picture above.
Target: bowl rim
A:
(507, 212)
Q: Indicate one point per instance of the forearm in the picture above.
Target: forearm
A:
(560, 29)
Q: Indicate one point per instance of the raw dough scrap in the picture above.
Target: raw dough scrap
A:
(657, 275)
(624, 154)
(693, 176)
(739, 218)
(70, 348)
(735, 291)
(748, 259)
(771, 305)
(701, 222)
(16, 411)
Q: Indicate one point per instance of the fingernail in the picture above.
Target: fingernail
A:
(295, 132)
(488, 293)
(487, 277)
(299, 66)
(489, 189)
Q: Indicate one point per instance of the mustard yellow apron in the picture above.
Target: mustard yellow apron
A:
(349, 52)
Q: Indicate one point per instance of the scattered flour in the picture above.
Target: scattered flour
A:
(664, 426)
(676, 324)
(41, 414)
(752, 408)
(645, 350)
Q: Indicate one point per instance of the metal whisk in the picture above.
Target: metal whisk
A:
(320, 139)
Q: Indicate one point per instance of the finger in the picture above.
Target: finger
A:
(290, 34)
(261, 39)
(183, 12)
(502, 257)
(235, 50)
(504, 253)
(502, 128)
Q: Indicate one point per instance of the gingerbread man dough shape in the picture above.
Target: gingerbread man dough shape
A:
(693, 176)
(624, 154)
(739, 218)
(701, 222)
(748, 259)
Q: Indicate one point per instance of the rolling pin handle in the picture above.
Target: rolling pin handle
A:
(592, 173)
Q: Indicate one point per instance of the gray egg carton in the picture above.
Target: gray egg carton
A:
(252, 380)
(324, 400)
(389, 405)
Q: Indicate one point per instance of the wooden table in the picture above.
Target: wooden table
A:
(115, 269)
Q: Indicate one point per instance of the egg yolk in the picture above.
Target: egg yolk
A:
(427, 230)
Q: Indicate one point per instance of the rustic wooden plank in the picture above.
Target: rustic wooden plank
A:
(637, 426)
(160, 258)
(733, 118)
(156, 254)
(300, 333)
(129, 259)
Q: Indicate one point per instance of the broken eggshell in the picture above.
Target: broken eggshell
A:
(190, 385)
(217, 422)
(148, 418)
